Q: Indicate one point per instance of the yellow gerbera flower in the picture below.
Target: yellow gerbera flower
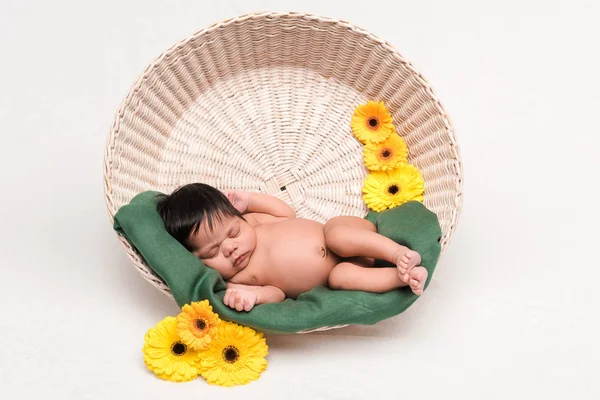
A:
(371, 122)
(388, 189)
(197, 324)
(236, 356)
(387, 155)
(167, 356)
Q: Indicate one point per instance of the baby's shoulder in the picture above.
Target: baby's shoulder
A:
(255, 219)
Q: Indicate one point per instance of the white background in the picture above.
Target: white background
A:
(513, 310)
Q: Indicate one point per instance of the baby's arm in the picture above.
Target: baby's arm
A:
(264, 203)
(244, 297)
(247, 202)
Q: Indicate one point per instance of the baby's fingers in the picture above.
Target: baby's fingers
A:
(247, 305)
(239, 303)
(229, 298)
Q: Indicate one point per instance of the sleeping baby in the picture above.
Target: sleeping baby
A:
(266, 254)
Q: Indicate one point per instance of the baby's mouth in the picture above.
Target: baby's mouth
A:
(237, 262)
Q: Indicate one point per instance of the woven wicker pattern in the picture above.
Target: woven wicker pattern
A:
(263, 103)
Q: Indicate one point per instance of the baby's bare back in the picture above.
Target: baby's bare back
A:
(290, 255)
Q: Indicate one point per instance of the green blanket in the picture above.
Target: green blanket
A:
(410, 224)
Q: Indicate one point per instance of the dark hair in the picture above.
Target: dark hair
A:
(183, 210)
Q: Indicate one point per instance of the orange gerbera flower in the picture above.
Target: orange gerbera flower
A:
(197, 324)
(371, 122)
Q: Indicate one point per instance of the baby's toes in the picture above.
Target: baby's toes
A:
(418, 276)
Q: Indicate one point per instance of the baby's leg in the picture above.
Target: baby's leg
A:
(352, 276)
(353, 236)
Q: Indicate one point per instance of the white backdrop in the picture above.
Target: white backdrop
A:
(512, 310)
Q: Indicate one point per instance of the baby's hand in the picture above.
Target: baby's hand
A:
(239, 200)
(240, 299)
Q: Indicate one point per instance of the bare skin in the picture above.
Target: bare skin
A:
(272, 254)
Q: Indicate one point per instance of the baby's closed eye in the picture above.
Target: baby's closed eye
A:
(208, 256)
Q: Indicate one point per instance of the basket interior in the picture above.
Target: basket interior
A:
(263, 103)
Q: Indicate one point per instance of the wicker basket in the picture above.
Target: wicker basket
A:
(263, 102)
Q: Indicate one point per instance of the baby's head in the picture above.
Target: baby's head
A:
(203, 220)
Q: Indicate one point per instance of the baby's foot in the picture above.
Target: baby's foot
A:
(405, 260)
(418, 276)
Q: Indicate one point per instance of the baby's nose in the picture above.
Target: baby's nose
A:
(230, 249)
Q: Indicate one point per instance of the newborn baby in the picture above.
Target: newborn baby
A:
(267, 254)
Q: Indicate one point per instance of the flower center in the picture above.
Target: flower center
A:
(178, 348)
(200, 324)
(393, 189)
(231, 354)
(373, 122)
(386, 153)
